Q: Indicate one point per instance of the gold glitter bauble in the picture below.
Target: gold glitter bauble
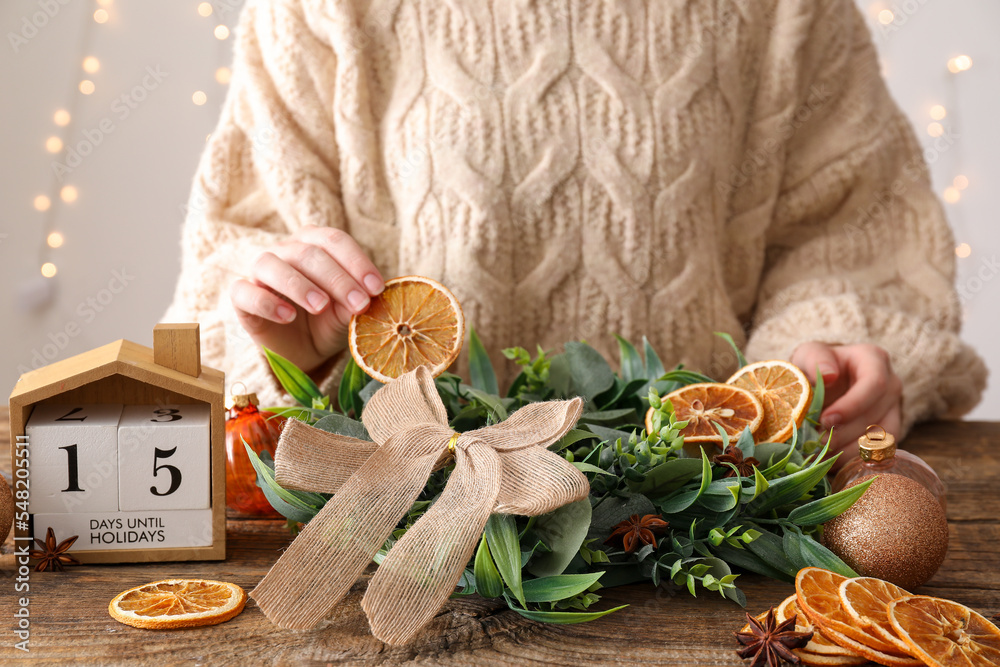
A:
(896, 531)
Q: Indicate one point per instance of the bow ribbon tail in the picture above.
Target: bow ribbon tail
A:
(310, 459)
(423, 567)
(325, 560)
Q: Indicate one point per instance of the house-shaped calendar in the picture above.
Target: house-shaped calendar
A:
(124, 446)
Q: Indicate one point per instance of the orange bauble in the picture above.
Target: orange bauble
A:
(260, 430)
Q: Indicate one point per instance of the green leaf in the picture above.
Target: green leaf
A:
(745, 444)
(488, 581)
(298, 385)
(769, 548)
(606, 434)
(736, 349)
(815, 554)
(789, 489)
(562, 617)
(606, 416)
(654, 367)
(341, 425)
(824, 509)
(668, 477)
(591, 375)
(749, 561)
(706, 473)
(574, 436)
(481, 371)
(587, 467)
(612, 510)
(760, 483)
(563, 531)
(819, 397)
(684, 377)
(492, 402)
(631, 363)
(294, 505)
(558, 587)
(351, 384)
(506, 551)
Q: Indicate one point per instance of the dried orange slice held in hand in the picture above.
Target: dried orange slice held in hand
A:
(416, 321)
(178, 603)
(706, 404)
(944, 633)
(865, 599)
(784, 392)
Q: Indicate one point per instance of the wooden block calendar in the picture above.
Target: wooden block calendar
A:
(124, 446)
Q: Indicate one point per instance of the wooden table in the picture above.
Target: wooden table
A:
(70, 623)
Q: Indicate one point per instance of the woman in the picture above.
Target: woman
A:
(573, 169)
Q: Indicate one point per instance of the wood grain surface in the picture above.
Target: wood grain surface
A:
(70, 624)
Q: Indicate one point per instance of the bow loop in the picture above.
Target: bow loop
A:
(501, 468)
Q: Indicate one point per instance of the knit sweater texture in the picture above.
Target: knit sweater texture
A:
(573, 169)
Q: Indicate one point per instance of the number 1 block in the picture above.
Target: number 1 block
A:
(163, 457)
(74, 460)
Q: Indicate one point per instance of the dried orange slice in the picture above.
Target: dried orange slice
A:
(416, 321)
(784, 392)
(865, 599)
(882, 658)
(824, 660)
(817, 593)
(706, 404)
(818, 644)
(944, 633)
(178, 603)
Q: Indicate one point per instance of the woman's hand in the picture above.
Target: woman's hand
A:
(861, 389)
(301, 294)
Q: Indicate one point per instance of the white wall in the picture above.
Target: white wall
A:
(133, 183)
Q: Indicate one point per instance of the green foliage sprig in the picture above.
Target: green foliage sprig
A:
(549, 568)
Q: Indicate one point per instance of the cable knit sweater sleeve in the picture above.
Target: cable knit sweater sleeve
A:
(269, 169)
(858, 249)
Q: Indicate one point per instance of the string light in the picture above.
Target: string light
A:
(55, 240)
(87, 86)
(885, 17)
(221, 32)
(205, 9)
(951, 194)
(199, 97)
(963, 250)
(53, 144)
(104, 3)
(935, 129)
(61, 118)
(49, 269)
(68, 194)
(938, 112)
(961, 182)
(42, 203)
(101, 16)
(91, 64)
(959, 64)
(223, 75)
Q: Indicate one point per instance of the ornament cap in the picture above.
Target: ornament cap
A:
(876, 444)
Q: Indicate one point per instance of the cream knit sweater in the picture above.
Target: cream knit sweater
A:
(577, 168)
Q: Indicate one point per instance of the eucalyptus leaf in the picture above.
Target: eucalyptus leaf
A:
(481, 372)
(606, 434)
(341, 425)
(667, 477)
(369, 390)
(605, 417)
(563, 532)
(590, 373)
(293, 505)
(612, 510)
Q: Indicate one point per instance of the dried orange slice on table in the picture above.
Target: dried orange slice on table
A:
(865, 599)
(817, 592)
(945, 633)
(818, 644)
(415, 321)
(178, 603)
(706, 404)
(784, 392)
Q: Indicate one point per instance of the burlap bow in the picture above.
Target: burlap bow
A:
(504, 468)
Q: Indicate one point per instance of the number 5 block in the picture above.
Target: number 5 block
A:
(163, 457)
(74, 459)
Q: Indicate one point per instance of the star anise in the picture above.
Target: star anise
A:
(768, 642)
(734, 455)
(635, 530)
(53, 556)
